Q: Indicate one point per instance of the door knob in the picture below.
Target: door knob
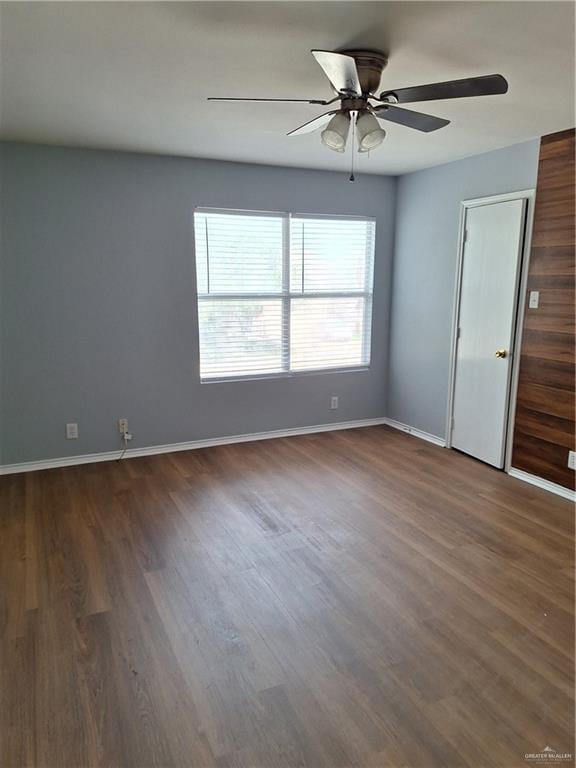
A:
(501, 353)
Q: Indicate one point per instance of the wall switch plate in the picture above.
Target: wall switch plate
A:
(572, 459)
(123, 426)
(71, 431)
(333, 403)
(534, 299)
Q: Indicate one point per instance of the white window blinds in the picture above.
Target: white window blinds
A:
(280, 293)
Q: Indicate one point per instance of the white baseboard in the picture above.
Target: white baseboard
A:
(546, 485)
(152, 450)
(416, 432)
(92, 458)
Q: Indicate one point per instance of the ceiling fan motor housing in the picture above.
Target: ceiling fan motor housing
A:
(370, 65)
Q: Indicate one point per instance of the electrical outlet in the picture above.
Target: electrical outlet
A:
(333, 403)
(123, 426)
(533, 300)
(71, 431)
(572, 459)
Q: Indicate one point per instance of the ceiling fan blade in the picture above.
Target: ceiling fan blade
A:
(341, 70)
(302, 101)
(409, 118)
(313, 125)
(487, 85)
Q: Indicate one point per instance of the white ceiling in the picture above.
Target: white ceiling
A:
(135, 76)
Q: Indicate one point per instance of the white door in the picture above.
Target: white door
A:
(488, 297)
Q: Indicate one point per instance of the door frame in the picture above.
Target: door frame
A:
(519, 306)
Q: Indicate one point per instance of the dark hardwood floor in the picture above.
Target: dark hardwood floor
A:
(356, 598)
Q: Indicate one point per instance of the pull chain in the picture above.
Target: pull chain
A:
(351, 177)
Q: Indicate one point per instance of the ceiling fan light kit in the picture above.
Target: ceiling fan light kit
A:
(354, 76)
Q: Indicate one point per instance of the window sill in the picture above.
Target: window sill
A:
(282, 375)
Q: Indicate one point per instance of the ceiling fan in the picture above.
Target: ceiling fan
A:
(355, 78)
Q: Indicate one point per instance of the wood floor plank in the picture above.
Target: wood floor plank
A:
(355, 599)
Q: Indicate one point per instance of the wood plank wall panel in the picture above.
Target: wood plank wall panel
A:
(544, 426)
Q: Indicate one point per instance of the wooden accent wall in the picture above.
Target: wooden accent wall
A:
(544, 426)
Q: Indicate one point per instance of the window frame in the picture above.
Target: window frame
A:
(286, 296)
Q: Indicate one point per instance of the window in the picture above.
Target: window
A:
(281, 293)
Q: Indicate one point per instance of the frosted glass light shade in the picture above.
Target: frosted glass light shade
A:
(335, 134)
(368, 131)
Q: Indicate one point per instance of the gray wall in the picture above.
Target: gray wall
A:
(98, 313)
(424, 274)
